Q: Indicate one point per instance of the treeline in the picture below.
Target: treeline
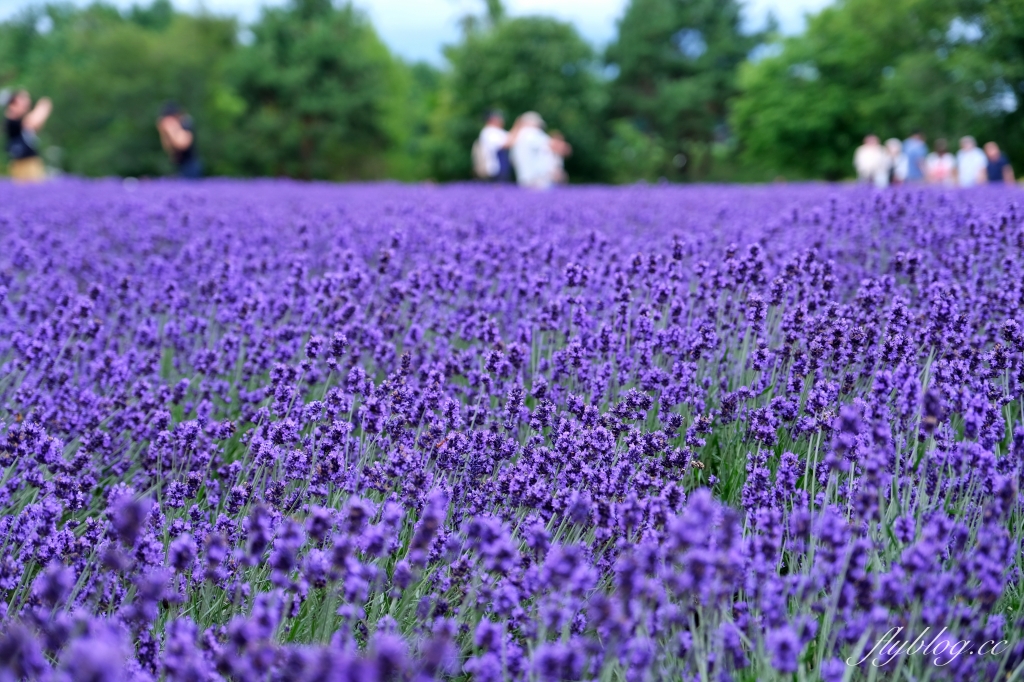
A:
(311, 91)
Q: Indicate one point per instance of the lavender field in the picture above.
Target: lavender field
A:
(283, 431)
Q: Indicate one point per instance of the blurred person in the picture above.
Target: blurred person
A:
(177, 137)
(532, 153)
(23, 122)
(872, 162)
(940, 166)
(998, 170)
(562, 150)
(916, 151)
(971, 163)
(490, 150)
(898, 163)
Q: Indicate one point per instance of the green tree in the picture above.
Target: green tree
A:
(20, 40)
(882, 66)
(677, 63)
(158, 15)
(318, 88)
(518, 65)
(416, 97)
(637, 156)
(108, 75)
(992, 32)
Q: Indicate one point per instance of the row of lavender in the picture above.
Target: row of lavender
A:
(284, 431)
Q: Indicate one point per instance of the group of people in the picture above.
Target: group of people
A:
(909, 161)
(23, 121)
(537, 158)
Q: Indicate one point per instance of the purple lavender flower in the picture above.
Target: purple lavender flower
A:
(291, 431)
(127, 516)
(784, 649)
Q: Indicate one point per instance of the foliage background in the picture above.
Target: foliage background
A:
(683, 93)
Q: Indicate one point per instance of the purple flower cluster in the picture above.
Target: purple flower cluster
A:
(285, 431)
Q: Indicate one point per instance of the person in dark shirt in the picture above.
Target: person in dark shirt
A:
(178, 138)
(999, 171)
(22, 122)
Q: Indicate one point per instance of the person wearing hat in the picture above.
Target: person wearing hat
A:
(533, 154)
(22, 122)
(178, 139)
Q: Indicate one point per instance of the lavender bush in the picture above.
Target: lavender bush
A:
(275, 431)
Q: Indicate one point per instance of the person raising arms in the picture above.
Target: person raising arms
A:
(23, 122)
(178, 139)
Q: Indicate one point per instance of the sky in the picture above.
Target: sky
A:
(416, 29)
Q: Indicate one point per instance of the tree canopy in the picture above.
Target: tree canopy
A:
(676, 63)
(316, 84)
(873, 66)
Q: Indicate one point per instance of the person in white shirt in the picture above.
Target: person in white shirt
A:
(490, 151)
(940, 166)
(533, 153)
(872, 162)
(971, 163)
